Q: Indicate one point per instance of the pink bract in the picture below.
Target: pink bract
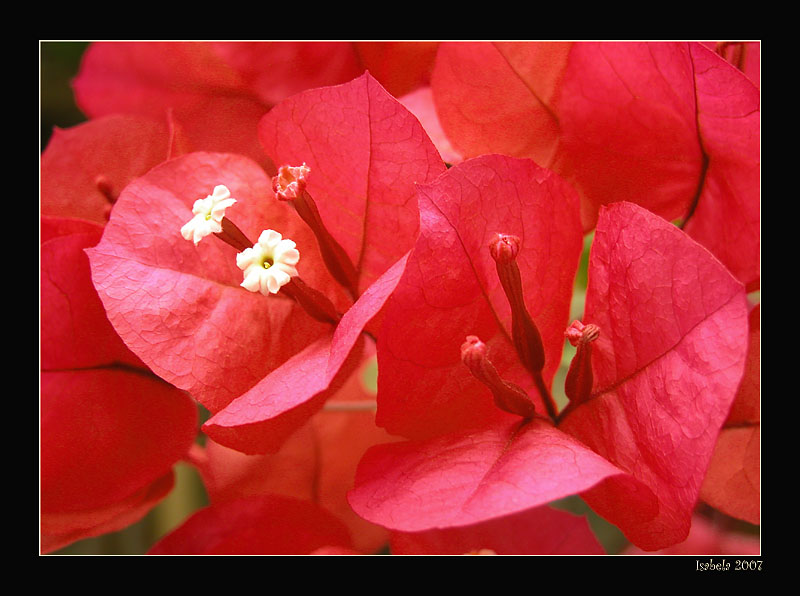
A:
(181, 307)
(670, 126)
(451, 290)
(317, 463)
(366, 153)
(733, 481)
(218, 91)
(85, 168)
(666, 367)
(110, 430)
(538, 531)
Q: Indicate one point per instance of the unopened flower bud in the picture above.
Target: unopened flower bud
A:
(578, 384)
(507, 396)
(103, 185)
(527, 340)
(504, 247)
(578, 333)
(473, 352)
(290, 185)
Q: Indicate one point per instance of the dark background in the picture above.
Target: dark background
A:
(58, 64)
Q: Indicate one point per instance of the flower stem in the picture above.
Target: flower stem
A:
(335, 257)
(231, 234)
(369, 405)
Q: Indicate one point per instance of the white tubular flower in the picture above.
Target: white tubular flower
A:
(208, 214)
(270, 264)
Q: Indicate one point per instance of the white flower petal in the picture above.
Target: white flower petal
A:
(187, 231)
(208, 215)
(245, 258)
(269, 264)
(269, 239)
(252, 280)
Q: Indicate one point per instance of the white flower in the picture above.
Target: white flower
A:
(270, 264)
(208, 214)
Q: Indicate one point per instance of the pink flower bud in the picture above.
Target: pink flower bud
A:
(507, 396)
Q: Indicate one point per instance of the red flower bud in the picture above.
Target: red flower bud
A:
(507, 396)
(504, 247)
(578, 333)
(578, 384)
(290, 185)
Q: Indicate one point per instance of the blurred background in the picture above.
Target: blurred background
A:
(58, 64)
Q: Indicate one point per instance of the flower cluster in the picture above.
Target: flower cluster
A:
(184, 288)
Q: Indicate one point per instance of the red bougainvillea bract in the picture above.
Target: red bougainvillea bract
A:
(440, 197)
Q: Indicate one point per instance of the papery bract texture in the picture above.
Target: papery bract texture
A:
(180, 307)
(451, 289)
(727, 218)
(110, 431)
(733, 481)
(420, 103)
(208, 97)
(667, 365)
(495, 98)
(316, 463)
(538, 531)
(467, 478)
(263, 417)
(84, 168)
(264, 525)
(219, 90)
(366, 152)
(664, 125)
